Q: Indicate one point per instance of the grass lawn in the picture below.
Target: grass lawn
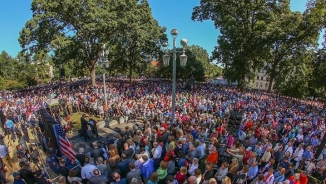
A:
(75, 119)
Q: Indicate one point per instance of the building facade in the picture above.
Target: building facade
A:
(262, 81)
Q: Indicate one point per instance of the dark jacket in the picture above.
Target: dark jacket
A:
(42, 181)
(28, 176)
(124, 167)
(129, 152)
(96, 153)
(84, 123)
(165, 137)
(81, 159)
(64, 171)
(120, 143)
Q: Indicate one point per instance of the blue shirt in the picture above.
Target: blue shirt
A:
(9, 124)
(19, 181)
(252, 172)
(3, 151)
(314, 142)
(122, 181)
(278, 177)
(185, 148)
(306, 154)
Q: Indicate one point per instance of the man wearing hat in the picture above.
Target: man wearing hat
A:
(17, 179)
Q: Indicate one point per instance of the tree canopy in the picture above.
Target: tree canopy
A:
(77, 29)
(242, 41)
(260, 34)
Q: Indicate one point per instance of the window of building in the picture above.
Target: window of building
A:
(257, 83)
(261, 78)
(258, 77)
(266, 85)
(261, 84)
(267, 79)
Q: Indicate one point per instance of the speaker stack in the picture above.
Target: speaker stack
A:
(62, 73)
(234, 122)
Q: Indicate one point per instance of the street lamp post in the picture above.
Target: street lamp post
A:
(183, 62)
(105, 64)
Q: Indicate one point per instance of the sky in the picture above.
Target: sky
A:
(169, 13)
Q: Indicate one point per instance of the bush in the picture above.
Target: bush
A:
(13, 85)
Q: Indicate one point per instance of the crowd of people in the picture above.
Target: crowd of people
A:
(275, 142)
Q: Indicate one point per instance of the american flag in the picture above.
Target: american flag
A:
(64, 144)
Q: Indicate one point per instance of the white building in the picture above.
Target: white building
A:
(262, 80)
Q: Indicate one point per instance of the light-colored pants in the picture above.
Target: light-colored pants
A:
(9, 163)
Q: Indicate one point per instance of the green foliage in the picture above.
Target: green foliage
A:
(295, 80)
(77, 29)
(193, 68)
(17, 73)
(211, 70)
(242, 41)
(137, 41)
(289, 35)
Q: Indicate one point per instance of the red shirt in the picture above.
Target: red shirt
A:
(303, 179)
(213, 157)
(181, 178)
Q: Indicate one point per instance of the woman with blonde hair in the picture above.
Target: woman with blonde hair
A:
(198, 175)
(181, 175)
(226, 180)
(193, 166)
(233, 167)
(212, 181)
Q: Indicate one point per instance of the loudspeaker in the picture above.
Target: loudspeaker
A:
(62, 73)
(234, 121)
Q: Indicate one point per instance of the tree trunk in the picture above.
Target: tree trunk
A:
(271, 79)
(130, 71)
(93, 76)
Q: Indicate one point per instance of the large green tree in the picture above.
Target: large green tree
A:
(296, 75)
(289, 35)
(242, 40)
(211, 70)
(138, 39)
(75, 29)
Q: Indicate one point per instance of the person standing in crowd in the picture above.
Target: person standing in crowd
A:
(84, 127)
(6, 159)
(275, 132)
(97, 178)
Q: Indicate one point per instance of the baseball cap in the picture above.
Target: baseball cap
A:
(15, 174)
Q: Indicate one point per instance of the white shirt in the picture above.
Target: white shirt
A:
(300, 137)
(157, 152)
(298, 153)
(87, 171)
(192, 169)
(288, 149)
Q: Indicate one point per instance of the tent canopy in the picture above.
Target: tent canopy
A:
(52, 102)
